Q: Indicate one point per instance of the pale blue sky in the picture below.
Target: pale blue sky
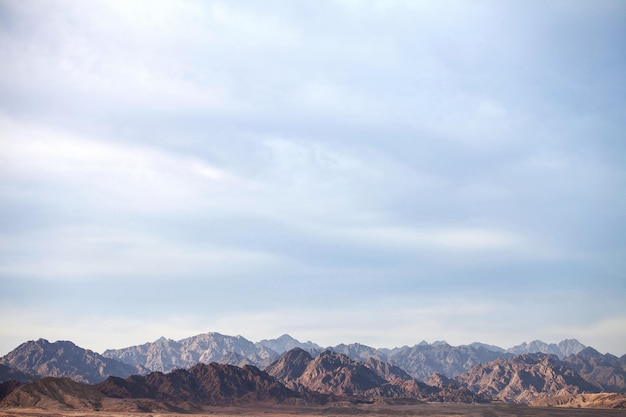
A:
(379, 172)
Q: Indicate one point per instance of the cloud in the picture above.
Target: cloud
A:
(103, 173)
(86, 252)
(289, 153)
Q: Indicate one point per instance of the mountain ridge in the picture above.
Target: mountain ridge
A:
(525, 378)
(63, 358)
(420, 360)
(298, 377)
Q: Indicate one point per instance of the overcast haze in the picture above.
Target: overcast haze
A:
(381, 172)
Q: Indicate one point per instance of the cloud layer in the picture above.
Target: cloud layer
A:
(381, 172)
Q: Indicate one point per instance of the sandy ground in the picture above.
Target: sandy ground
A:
(428, 410)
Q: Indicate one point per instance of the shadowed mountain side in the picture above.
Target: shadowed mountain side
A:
(606, 372)
(64, 359)
(8, 386)
(524, 378)
(64, 394)
(9, 374)
(212, 384)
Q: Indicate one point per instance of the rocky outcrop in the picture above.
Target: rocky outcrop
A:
(64, 359)
(340, 377)
(524, 379)
(606, 372)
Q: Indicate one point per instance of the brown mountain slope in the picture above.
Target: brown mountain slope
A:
(8, 386)
(54, 393)
(213, 384)
(64, 394)
(332, 373)
(64, 359)
(524, 378)
(339, 376)
(607, 372)
(290, 366)
(600, 400)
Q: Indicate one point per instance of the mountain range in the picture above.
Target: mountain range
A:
(214, 369)
(41, 358)
(420, 360)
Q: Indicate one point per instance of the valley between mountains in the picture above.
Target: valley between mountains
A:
(200, 373)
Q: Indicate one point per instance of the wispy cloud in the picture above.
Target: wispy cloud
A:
(322, 157)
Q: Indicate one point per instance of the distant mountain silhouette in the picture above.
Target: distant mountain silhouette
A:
(422, 360)
(285, 343)
(563, 349)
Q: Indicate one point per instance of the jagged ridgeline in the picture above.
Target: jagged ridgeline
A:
(215, 369)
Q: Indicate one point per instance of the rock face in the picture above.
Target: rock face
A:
(64, 359)
(290, 366)
(340, 377)
(420, 361)
(212, 384)
(336, 374)
(606, 372)
(165, 355)
(524, 378)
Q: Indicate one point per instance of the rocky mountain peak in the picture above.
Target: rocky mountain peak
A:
(524, 378)
(285, 343)
(64, 359)
(167, 355)
(562, 349)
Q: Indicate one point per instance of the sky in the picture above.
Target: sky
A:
(381, 172)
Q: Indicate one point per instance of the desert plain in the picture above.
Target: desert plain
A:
(374, 410)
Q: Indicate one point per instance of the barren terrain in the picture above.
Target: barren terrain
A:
(430, 409)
